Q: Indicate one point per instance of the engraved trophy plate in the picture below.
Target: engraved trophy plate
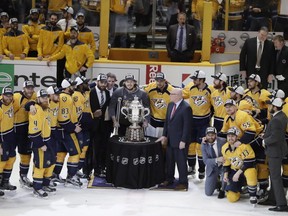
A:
(136, 114)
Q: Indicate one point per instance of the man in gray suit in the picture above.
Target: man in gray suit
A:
(276, 148)
(177, 136)
(211, 152)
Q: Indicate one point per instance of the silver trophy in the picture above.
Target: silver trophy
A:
(136, 114)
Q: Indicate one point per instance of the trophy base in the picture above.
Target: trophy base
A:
(134, 134)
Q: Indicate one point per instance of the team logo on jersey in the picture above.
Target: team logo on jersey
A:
(218, 101)
(10, 112)
(55, 111)
(64, 99)
(246, 125)
(75, 99)
(159, 103)
(237, 130)
(199, 100)
(236, 162)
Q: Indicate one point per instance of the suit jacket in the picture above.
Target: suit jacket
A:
(178, 128)
(95, 105)
(172, 36)
(274, 137)
(248, 58)
(207, 155)
(281, 65)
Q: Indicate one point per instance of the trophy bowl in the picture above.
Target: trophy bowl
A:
(135, 112)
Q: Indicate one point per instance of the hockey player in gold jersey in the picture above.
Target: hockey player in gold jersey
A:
(21, 128)
(199, 95)
(39, 134)
(239, 165)
(218, 98)
(159, 96)
(67, 119)
(7, 140)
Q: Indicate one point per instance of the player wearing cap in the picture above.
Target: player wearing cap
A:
(199, 96)
(21, 129)
(218, 98)
(67, 119)
(15, 42)
(212, 156)
(51, 38)
(126, 94)
(84, 114)
(259, 96)
(86, 36)
(239, 164)
(4, 27)
(99, 100)
(32, 31)
(240, 120)
(79, 56)
(159, 97)
(7, 139)
(43, 154)
(67, 21)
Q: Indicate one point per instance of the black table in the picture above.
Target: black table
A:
(134, 165)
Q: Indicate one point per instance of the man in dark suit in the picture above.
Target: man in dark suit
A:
(180, 41)
(177, 136)
(276, 148)
(212, 156)
(257, 57)
(281, 63)
(99, 101)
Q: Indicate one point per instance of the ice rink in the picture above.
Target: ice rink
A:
(70, 201)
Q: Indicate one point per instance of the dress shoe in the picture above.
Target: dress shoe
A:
(166, 183)
(221, 194)
(279, 209)
(181, 187)
(267, 203)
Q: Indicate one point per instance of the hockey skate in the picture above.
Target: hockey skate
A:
(262, 195)
(201, 176)
(25, 182)
(7, 186)
(57, 179)
(73, 181)
(49, 189)
(40, 193)
(191, 172)
(81, 175)
(253, 200)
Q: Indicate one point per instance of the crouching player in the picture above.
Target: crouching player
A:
(39, 134)
(239, 165)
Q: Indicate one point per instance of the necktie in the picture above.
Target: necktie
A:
(213, 154)
(278, 54)
(66, 27)
(259, 54)
(180, 39)
(173, 111)
(102, 99)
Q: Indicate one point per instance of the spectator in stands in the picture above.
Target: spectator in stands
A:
(32, 30)
(55, 6)
(4, 26)
(118, 26)
(180, 41)
(67, 22)
(79, 56)
(15, 42)
(91, 10)
(281, 24)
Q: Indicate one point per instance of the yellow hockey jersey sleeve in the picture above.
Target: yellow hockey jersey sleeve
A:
(67, 116)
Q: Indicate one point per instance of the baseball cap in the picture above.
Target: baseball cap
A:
(230, 102)
(67, 83)
(102, 77)
(232, 131)
(4, 14)
(81, 79)
(278, 102)
(130, 77)
(68, 10)
(238, 89)
(74, 28)
(277, 93)
(80, 14)
(34, 10)
(53, 90)
(198, 74)
(42, 93)
(7, 90)
(160, 76)
(220, 76)
(255, 77)
(28, 83)
(211, 130)
(13, 20)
